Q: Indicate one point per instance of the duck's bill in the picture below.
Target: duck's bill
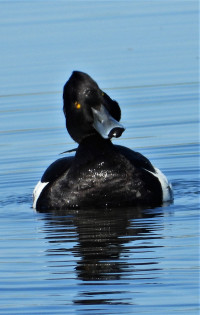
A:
(105, 124)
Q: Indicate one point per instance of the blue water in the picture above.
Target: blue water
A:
(125, 261)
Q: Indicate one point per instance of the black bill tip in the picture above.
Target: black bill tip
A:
(116, 132)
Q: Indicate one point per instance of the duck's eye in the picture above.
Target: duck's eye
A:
(77, 105)
(102, 93)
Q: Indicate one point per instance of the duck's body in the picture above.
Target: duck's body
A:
(100, 174)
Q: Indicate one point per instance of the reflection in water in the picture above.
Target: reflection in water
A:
(107, 245)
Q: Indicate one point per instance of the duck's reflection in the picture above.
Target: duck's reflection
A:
(102, 238)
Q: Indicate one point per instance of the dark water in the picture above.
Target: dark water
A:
(119, 261)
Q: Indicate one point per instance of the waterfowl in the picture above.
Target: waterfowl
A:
(100, 174)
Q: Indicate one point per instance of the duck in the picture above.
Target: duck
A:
(100, 174)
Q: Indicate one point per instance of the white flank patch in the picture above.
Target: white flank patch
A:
(37, 191)
(166, 186)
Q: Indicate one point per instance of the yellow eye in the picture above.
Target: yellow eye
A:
(77, 105)
(102, 93)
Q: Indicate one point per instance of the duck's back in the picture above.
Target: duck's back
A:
(102, 174)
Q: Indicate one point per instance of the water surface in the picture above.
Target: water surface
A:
(145, 55)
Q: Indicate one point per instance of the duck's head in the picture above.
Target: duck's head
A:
(89, 110)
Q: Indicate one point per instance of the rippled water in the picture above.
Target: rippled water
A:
(119, 261)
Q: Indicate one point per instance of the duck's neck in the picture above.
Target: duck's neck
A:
(94, 145)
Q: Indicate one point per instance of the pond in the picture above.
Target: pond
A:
(119, 261)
